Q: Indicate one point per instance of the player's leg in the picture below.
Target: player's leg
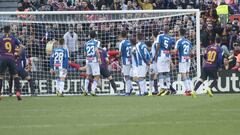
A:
(1, 78)
(213, 76)
(106, 74)
(86, 83)
(10, 84)
(31, 84)
(16, 78)
(142, 71)
(96, 76)
(62, 76)
(3, 68)
(128, 83)
(203, 77)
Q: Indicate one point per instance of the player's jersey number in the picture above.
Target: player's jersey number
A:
(90, 50)
(165, 43)
(128, 50)
(211, 56)
(8, 47)
(185, 49)
(58, 57)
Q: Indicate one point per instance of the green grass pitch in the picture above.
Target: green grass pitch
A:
(116, 115)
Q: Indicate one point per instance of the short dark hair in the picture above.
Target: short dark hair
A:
(218, 39)
(148, 43)
(139, 36)
(166, 28)
(124, 33)
(61, 41)
(155, 33)
(6, 29)
(182, 31)
(93, 34)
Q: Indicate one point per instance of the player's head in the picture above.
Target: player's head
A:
(139, 36)
(218, 40)
(124, 34)
(149, 45)
(71, 28)
(93, 34)
(155, 34)
(61, 42)
(6, 29)
(182, 32)
(166, 29)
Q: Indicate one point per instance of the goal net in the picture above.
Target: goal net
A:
(39, 30)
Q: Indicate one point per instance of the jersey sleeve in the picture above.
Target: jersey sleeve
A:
(176, 45)
(65, 62)
(120, 46)
(98, 44)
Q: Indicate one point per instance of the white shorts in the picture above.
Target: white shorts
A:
(153, 68)
(163, 66)
(126, 69)
(134, 71)
(93, 68)
(62, 73)
(184, 67)
(142, 71)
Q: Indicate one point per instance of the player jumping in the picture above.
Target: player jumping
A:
(58, 64)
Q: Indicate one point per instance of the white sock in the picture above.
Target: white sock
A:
(142, 85)
(128, 86)
(186, 84)
(61, 86)
(94, 86)
(57, 85)
(189, 84)
(168, 81)
(86, 85)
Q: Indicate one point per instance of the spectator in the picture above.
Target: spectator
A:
(116, 5)
(145, 5)
(223, 11)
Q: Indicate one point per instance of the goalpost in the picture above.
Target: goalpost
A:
(39, 30)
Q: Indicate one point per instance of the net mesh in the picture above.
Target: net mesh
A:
(39, 31)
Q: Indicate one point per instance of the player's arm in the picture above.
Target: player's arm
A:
(156, 53)
(220, 59)
(51, 62)
(98, 54)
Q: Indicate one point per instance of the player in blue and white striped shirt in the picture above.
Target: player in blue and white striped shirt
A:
(184, 47)
(163, 59)
(153, 83)
(143, 61)
(58, 64)
(93, 60)
(125, 52)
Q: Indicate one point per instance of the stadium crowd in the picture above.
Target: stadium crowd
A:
(213, 22)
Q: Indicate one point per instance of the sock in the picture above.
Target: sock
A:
(61, 86)
(185, 82)
(155, 85)
(32, 86)
(161, 83)
(0, 86)
(86, 85)
(17, 84)
(151, 86)
(197, 85)
(113, 84)
(94, 86)
(167, 81)
(213, 84)
(128, 86)
(10, 83)
(142, 85)
(189, 83)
